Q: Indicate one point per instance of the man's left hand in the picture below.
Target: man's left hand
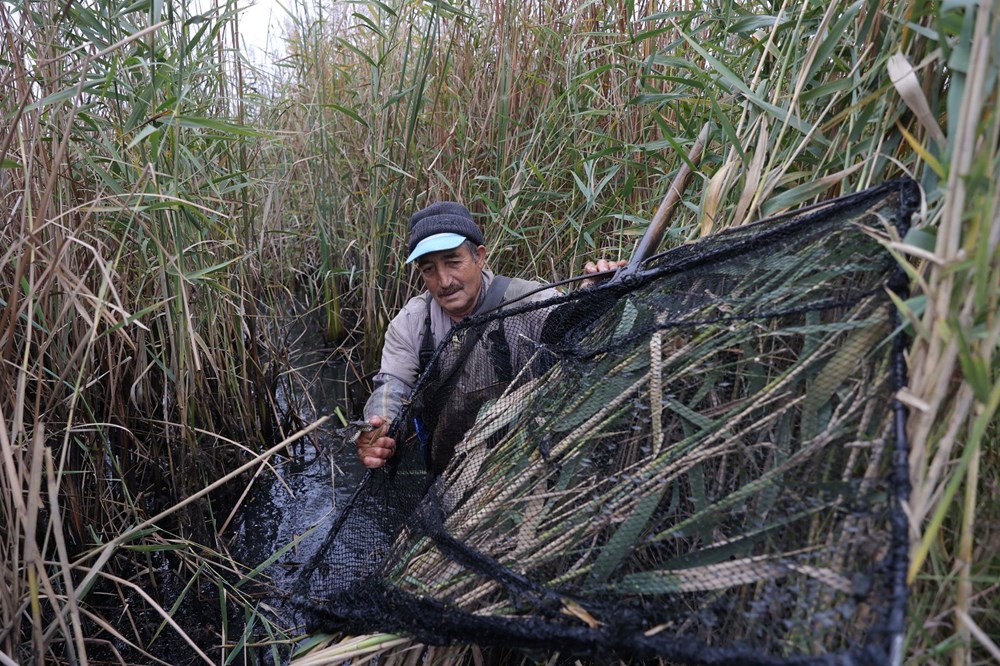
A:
(602, 266)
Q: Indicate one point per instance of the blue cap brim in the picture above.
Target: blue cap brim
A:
(435, 243)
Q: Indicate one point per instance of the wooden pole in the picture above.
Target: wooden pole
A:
(654, 233)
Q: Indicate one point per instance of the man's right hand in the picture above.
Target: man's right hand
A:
(374, 448)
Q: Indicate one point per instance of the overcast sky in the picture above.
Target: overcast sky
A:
(260, 28)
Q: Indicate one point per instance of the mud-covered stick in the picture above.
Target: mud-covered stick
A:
(654, 233)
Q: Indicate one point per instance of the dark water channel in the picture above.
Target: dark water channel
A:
(283, 518)
(278, 525)
(290, 508)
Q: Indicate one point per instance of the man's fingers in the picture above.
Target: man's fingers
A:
(383, 448)
(374, 454)
(372, 461)
(603, 265)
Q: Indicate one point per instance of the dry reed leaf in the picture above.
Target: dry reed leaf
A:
(907, 398)
(722, 576)
(826, 576)
(713, 195)
(905, 80)
(656, 388)
(917, 252)
(574, 609)
(929, 481)
(751, 182)
(6, 661)
(832, 11)
(352, 648)
(118, 636)
(979, 634)
(64, 560)
(655, 630)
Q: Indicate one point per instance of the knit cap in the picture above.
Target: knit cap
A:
(441, 226)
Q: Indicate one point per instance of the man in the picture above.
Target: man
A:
(448, 248)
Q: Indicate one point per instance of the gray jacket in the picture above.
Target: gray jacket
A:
(403, 339)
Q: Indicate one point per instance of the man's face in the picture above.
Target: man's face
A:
(454, 278)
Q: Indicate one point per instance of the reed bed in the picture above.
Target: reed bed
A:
(134, 353)
(159, 197)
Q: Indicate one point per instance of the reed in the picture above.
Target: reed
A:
(159, 197)
(133, 351)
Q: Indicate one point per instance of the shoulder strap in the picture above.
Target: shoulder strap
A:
(494, 295)
(500, 350)
(427, 344)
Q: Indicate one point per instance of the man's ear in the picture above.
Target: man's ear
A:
(480, 256)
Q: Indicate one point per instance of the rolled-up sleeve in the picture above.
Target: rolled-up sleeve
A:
(387, 398)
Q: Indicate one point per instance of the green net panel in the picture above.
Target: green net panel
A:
(701, 463)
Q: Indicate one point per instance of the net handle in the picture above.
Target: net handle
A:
(654, 232)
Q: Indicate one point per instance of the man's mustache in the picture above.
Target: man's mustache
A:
(448, 292)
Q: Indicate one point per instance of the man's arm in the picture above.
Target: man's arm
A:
(393, 383)
(387, 398)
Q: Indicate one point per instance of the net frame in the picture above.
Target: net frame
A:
(362, 577)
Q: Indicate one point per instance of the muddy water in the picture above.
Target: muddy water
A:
(290, 508)
(279, 524)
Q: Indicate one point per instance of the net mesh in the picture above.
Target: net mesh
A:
(701, 463)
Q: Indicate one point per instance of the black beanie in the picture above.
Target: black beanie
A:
(443, 217)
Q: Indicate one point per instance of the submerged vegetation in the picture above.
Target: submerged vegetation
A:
(162, 199)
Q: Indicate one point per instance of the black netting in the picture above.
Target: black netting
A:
(702, 462)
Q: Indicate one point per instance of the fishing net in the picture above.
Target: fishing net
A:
(701, 463)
